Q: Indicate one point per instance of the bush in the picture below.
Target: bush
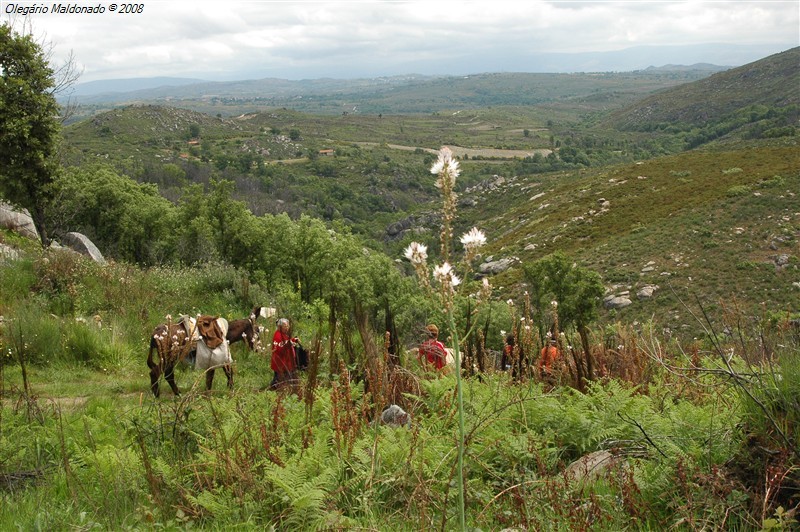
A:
(738, 190)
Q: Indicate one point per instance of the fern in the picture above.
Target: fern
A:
(301, 488)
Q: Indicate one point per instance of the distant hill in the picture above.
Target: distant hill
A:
(125, 86)
(397, 94)
(682, 68)
(162, 89)
(772, 81)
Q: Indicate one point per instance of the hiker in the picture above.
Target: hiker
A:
(432, 351)
(548, 357)
(284, 358)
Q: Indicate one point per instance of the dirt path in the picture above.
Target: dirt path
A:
(458, 151)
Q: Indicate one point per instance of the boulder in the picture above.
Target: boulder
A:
(589, 467)
(18, 220)
(395, 416)
(495, 267)
(781, 261)
(594, 466)
(646, 292)
(612, 302)
(84, 246)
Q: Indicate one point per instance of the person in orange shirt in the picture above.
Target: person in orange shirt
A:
(548, 356)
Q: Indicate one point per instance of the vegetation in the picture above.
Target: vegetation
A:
(695, 420)
(29, 128)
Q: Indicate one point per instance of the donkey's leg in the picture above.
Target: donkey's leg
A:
(169, 375)
(209, 378)
(229, 373)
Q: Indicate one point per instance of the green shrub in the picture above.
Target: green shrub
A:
(733, 170)
(738, 190)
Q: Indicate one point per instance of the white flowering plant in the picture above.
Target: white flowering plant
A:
(445, 280)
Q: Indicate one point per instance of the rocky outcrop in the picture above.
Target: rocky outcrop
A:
(647, 291)
(496, 266)
(413, 224)
(617, 301)
(81, 243)
(18, 220)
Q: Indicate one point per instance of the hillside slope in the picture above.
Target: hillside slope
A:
(772, 81)
(711, 227)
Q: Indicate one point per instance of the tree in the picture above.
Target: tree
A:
(126, 219)
(578, 292)
(29, 126)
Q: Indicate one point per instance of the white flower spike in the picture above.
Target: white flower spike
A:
(473, 239)
(417, 253)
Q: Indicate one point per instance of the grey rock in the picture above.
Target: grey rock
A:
(616, 302)
(84, 246)
(395, 416)
(781, 260)
(18, 220)
(592, 467)
(495, 267)
(646, 292)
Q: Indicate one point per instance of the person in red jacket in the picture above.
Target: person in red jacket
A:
(284, 359)
(432, 351)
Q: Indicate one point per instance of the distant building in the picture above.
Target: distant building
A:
(326, 153)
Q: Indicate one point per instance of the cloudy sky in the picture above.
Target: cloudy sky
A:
(227, 40)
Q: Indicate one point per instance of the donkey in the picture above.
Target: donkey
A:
(173, 342)
(246, 329)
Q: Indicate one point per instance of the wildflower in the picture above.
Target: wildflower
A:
(169, 317)
(510, 303)
(503, 333)
(454, 280)
(486, 290)
(554, 303)
(417, 253)
(446, 164)
(474, 238)
(442, 273)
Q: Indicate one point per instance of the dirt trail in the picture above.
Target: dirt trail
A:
(458, 151)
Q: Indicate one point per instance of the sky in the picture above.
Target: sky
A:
(231, 40)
